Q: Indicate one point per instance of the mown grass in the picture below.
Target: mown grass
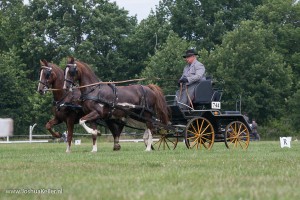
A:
(264, 171)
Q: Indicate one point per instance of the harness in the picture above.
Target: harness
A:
(113, 105)
(59, 104)
(144, 102)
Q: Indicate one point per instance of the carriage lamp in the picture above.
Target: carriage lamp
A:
(216, 112)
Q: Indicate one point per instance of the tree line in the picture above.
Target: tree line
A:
(249, 48)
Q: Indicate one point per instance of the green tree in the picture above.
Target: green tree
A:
(249, 66)
(11, 19)
(15, 92)
(166, 66)
(93, 31)
(143, 43)
(282, 17)
(205, 21)
(294, 107)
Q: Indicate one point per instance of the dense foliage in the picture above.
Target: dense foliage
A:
(250, 48)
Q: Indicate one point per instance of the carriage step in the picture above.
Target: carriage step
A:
(180, 126)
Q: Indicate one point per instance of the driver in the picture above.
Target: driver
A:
(192, 74)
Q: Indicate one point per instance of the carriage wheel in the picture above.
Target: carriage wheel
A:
(165, 141)
(199, 133)
(237, 135)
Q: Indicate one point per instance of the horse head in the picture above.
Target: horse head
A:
(71, 73)
(47, 77)
(78, 71)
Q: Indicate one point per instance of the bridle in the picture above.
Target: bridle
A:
(47, 72)
(72, 70)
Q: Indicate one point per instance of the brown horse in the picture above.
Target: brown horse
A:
(133, 105)
(65, 106)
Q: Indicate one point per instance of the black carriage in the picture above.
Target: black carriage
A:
(203, 124)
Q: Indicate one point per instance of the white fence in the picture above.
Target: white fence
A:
(24, 141)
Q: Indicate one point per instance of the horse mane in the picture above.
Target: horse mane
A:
(89, 69)
(56, 67)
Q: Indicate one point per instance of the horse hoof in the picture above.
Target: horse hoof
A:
(117, 147)
(57, 135)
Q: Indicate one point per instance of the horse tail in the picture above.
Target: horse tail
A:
(161, 106)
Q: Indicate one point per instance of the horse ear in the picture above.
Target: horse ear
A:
(44, 62)
(70, 59)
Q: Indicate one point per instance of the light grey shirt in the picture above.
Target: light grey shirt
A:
(194, 72)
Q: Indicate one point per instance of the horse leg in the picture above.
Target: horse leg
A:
(49, 126)
(94, 138)
(92, 131)
(88, 129)
(116, 130)
(90, 117)
(70, 126)
(148, 139)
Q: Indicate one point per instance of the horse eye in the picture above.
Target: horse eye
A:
(47, 74)
(73, 71)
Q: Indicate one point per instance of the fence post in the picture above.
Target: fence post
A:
(30, 131)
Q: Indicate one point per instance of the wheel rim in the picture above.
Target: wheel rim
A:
(199, 133)
(237, 135)
(165, 142)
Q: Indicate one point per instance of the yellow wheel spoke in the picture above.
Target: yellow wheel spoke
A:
(157, 141)
(199, 133)
(205, 128)
(205, 134)
(195, 142)
(160, 141)
(201, 124)
(237, 135)
(205, 145)
(195, 136)
(206, 139)
(167, 139)
(195, 133)
(233, 130)
(166, 143)
(240, 127)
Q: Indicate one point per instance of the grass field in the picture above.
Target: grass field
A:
(36, 171)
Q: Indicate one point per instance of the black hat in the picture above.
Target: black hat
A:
(190, 52)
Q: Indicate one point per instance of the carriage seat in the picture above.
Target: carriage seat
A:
(205, 93)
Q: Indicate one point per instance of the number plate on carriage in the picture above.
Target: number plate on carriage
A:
(215, 105)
